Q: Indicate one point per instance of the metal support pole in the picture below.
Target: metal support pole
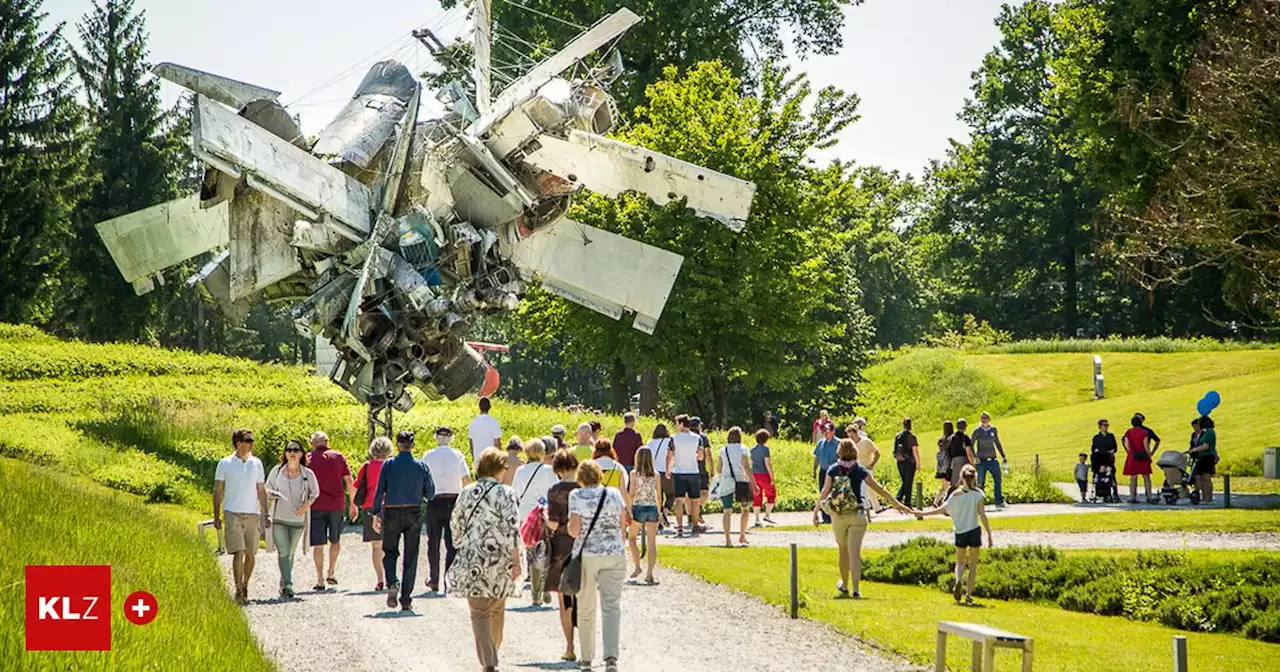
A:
(795, 585)
(1226, 491)
(1179, 653)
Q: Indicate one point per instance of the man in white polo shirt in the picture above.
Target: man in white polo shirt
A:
(239, 491)
(484, 431)
(682, 464)
(449, 471)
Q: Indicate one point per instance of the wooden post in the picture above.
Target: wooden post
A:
(1037, 467)
(795, 585)
(1226, 491)
(975, 661)
(920, 494)
(1179, 653)
(940, 654)
(989, 655)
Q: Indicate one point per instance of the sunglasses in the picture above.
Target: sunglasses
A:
(248, 440)
(293, 450)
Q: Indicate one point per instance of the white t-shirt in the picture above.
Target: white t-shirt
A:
(531, 483)
(483, 432)
(733, 453)
(963, 507)
(685, 445)
(659, 448)
(448, 468)
(240, 483)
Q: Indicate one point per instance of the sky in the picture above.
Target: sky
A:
(908, 60)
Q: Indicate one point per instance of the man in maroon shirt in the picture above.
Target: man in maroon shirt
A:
(334, 478)
(627, 442)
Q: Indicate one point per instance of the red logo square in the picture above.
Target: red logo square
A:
(68, 607)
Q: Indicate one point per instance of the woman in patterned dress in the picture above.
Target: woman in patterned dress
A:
(487, 533)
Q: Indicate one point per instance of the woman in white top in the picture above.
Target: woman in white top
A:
(531, 482)
(735, 460)
(292, 488)
(969, 518)
(597, 515)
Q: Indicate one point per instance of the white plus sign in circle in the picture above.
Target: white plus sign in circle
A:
(140, 607)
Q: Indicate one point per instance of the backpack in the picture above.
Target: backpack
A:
(843, 497)
(902, 446)
(531, 529)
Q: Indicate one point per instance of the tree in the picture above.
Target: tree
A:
(738, 33)
(41, 160)
(743, 313)
(135, 164)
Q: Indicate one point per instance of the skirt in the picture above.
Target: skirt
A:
(561, 549)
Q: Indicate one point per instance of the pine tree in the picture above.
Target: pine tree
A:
(135, 163)
(41, 160)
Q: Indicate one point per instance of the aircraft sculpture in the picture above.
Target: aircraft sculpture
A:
(388, 235)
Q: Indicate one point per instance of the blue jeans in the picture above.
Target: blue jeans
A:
(991, 465)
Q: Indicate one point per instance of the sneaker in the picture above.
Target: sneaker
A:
(769, 520)
(393, 591)
(756, 525)
(844, 592)
(433, 588)
(956, 589)
(1002, 506)
(546, 598)
(610, 665)
(406, 606)
(857, 595)
(584, 665)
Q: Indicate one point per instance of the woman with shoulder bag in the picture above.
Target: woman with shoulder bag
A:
(532, 481)
(844, 498)
(487, 568)
(292, 488)
(597, 516)
(366, 486)
(737, 487)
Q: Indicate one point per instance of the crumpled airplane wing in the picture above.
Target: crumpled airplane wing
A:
(522, 89)
(227, 91)
(603, 271)
(147, 241)
(610, 167)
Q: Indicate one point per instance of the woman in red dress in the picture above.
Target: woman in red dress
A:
(1140, 445)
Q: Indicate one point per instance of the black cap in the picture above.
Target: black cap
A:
(695, 421)
(405, 438)
(444, 429)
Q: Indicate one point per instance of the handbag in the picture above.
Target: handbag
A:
(726, 482)
(571, 575)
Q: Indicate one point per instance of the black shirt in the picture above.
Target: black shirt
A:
(959, 441)
(1105, 443)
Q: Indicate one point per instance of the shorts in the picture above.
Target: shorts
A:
(687, 485)
(765, 492)
(1205, 466)
(242, 533)
(741, 495)
(368, 533)
(326, 527)
(644, 513)
(842, 524)
(705, 480)
(970, 539)
(668, 491)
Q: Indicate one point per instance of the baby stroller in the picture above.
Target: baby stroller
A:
(1104, 485)
(1176, 477)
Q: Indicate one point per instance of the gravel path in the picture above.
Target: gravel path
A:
(351, 628)
(1169, 541)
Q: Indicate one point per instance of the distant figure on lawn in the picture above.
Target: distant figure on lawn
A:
(986, 441)
(820, 425)
(969, 520)
(770, 423)
(292, 488)
(334, 477)
(449, 471)
(766, 494)
(366, 487)
(960, 450)
(1205, 452)
(943, 473)
(1140, 446)
(484, 431)
(1082, 477)
(906, 452)
(844, 493)
(627, 441)
(825, 454)
(404, 484)
(1102, 453)
(488, 566)
(868, 455)
(239, 494)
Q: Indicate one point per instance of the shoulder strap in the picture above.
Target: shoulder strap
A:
(479, 502)
(604, 493)
(725, 452)
(530, 481)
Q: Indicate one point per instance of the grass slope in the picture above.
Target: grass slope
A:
(50, 518)
(902, 619)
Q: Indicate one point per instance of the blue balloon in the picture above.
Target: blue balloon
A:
(1203, 407)
(1213, 398)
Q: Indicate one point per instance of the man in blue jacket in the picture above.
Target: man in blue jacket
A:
(824, 455)
(404, 484)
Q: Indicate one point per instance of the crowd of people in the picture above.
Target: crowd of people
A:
(571, 518)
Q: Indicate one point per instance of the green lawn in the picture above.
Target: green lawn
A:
(902, 619)
(1200, 520)
(50, 519)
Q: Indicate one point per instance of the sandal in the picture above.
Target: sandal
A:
(636, 573)
(569, 657)
(319, 588)
(379, 587)
(650, 581)
(331, 581)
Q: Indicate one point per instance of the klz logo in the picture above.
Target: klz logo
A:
(68, 608)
